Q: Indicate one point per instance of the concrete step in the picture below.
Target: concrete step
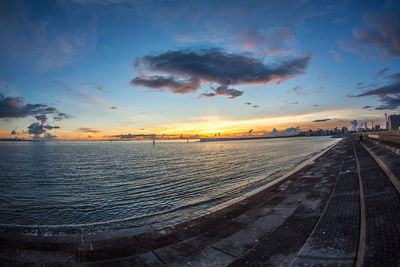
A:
(380, 221)
(387, 160)
(335, 239)
(392, 147)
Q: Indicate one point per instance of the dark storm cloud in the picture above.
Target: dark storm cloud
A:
(185, 70)
(42, 118)
(160, 82)
(130, 136)
(389, 102)
(367, 107)
(13, 132)
(321, 120)
(113, 108)
(247, 103)
(232, 93)
(88, 130)
(14, 107)
(36, 129)
(380, 73)
(49, 127)
(382, 32)
(223, 90)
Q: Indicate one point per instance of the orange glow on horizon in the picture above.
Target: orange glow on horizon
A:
(214, 126)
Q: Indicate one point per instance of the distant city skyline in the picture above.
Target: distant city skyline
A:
(100, 69)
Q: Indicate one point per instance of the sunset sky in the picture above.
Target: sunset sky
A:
(101, 69)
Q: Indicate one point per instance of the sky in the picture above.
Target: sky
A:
(119, 69)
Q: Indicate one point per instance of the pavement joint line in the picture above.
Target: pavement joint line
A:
(319, 219)
(227, 253)
(341, 173)
(158, 257)
(392, 177)
(361, 244)
(325, 257)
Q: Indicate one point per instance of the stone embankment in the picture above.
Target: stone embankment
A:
(341, 209)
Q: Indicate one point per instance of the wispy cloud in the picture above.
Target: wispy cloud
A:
(381, 33)
(271, 42)
(82, 94)
(185, 70)
(94, 85)
(380, 73)
(298, 90)
(389, 94)
(207, 95)
(291, 103)
(34, 36)
(338, 57)
(133, 136)
(263, 27)
(321, 120)
(88, 130)
(318, 90)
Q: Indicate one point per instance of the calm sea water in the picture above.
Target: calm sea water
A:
(135, 183)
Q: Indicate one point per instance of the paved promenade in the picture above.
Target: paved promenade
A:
(343, 209)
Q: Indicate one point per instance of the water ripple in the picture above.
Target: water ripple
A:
(89, 183)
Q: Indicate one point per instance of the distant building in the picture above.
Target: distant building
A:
(393, 122)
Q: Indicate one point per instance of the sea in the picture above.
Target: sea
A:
(112, 185)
